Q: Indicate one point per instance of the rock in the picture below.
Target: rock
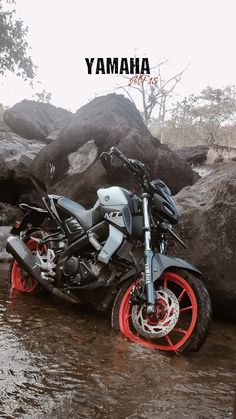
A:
(208, 226)
(194, 155)
(210, 154)
(36, 120)
(9, 214)
(70, 165)
(4, 233)
(16, 155)
(217, 154)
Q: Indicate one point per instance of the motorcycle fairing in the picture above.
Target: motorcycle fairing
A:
(115, 204)
(113, 242)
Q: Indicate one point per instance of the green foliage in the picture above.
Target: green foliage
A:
(14, 55)
(203, 118)
(217, 106)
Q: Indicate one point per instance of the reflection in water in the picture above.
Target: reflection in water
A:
(58, 362)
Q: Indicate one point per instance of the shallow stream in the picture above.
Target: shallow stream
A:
(59, 362)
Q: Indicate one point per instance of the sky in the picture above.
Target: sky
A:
(62, 34)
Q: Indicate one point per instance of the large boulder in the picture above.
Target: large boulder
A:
(4, 234)
(208, 226)
(70, 165)
(9, 214)
(36, 120)
(16, 155)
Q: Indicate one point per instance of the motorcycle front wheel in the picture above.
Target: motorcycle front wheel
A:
(182, 319)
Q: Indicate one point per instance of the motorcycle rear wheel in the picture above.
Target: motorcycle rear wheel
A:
(183, 314)
(20, 280)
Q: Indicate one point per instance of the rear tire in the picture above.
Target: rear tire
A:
(184, 314)
(20, 280)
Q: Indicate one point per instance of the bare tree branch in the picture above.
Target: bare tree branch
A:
(127, 92)
(154, 97)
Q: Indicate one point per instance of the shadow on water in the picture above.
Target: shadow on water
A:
(59, 362)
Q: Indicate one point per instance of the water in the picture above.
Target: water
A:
(58, 362)
(203, 170)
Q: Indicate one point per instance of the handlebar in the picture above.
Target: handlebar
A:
(127, 162)
(137, 168)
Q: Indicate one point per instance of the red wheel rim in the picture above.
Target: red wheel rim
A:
(18, 282)
(178, 336)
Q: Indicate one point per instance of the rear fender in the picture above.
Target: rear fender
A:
(161, 263)
(32, 219)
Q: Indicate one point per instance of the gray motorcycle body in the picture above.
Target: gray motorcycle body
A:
(115, 204)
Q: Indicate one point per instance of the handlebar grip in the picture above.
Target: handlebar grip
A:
(106, 161)
(116, 152)
(120, 155)
(134, 166)
(113, 150)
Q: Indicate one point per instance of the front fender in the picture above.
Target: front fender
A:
(162, 262)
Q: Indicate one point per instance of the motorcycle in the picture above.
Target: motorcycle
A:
(114, 256)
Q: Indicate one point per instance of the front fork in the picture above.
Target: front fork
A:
(148, 256)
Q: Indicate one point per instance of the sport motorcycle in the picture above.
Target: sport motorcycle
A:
(114, 257)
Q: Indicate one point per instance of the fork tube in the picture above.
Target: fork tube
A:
(148, 256)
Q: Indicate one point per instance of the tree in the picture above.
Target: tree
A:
(14, 49)
(2, 110)
(202, 119)
(155, 96)
(43, 96)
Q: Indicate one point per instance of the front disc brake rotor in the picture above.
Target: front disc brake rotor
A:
(160, 324)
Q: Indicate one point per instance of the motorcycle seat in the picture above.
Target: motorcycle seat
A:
(87, 218)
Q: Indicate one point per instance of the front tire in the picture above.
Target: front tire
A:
(183, 314)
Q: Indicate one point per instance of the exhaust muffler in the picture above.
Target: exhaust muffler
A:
(28, 262)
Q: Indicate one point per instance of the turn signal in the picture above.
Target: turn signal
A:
(17, 224)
